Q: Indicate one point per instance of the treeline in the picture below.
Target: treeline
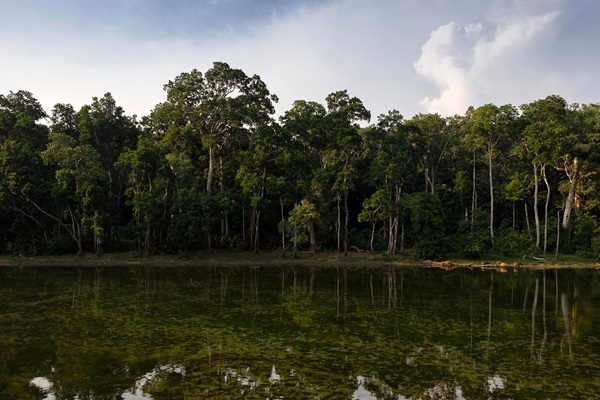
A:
(210, 168)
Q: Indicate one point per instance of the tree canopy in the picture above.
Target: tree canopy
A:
(211, 167)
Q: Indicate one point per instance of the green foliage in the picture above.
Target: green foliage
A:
(586, 229)
(474, 237)
(209, 167)
(513, 243)
(424, 216)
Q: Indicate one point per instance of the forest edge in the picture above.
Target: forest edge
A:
(274, 258)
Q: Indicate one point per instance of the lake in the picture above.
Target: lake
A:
(149, 333)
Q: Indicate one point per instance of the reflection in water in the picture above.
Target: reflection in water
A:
(361, 393)
(567, 322)
(44, 385)
(137, 392)
(495, 383)
(294, 332)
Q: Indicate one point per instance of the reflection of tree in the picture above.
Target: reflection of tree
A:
(489, 326)
(533, 308)
(537, 355)
(321, 331)
(567, 322)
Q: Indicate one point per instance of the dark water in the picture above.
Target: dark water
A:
(298, 333)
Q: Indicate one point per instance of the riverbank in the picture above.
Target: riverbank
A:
(321, 258)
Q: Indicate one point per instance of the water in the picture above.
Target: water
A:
(298, 333)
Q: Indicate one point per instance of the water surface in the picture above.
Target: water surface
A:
(305, 332)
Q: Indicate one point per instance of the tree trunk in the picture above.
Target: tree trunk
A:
(402, 238)
(74, 230)
(491, 197)
(256, 233)
(282, 225)
(535, 205)
(557, 236)
(391, 237)
(252, 222)
(211, 169)
(372, 236)
(543, 170)
(394, 221)
(147, 235)
(346, 221)
(527, 219)
(244, 225)
(514, 204)
(339, 223)
(313, 238)
(573, 180)
(295, 251)
(473, 193)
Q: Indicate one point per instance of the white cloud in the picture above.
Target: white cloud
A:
(307, 51)
(469, 68)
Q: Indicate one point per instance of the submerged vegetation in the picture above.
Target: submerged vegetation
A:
(210, 168)
(280, 332)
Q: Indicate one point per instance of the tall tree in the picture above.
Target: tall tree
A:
(22, 174)
(344, 113)
(490, 125)
(392, 163)
(147, 188)
(214, 106)
(430, 141)
(104, 126)
(308, 170)
(544, 137)
(206, 114)
(79, 188)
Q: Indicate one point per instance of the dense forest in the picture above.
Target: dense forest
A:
(211, 168)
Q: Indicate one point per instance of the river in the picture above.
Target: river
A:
(150, 333)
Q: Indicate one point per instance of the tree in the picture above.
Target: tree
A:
(22, 174)
(22, 102)
(544, 137)
(79, 187)
(372, 211)
(306, 168)
(303, 217)
(425, 221)
(215, 106)
(104, 126)
(259, 174)
(429, 138)
(518, 190)
(391, 164)
(63, 120)
(205, 115)
(489, 126)
(147, 187)
(19, 116)
(343, 114)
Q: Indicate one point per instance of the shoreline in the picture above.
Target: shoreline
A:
(275, 258)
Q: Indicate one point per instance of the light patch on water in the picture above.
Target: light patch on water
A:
(44, 385)
(495, 382)
(137, 392)
(275, 377)
(443, 391)
(362, 393)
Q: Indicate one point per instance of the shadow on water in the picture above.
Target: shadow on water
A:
(298, 332)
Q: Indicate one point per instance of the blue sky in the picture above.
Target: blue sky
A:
(410, 55)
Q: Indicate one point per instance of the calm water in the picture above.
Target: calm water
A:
(298, 333)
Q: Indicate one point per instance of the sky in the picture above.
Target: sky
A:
(415, 56)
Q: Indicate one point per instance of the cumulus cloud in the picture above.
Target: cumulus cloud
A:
(470, 68)
(69, 51)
